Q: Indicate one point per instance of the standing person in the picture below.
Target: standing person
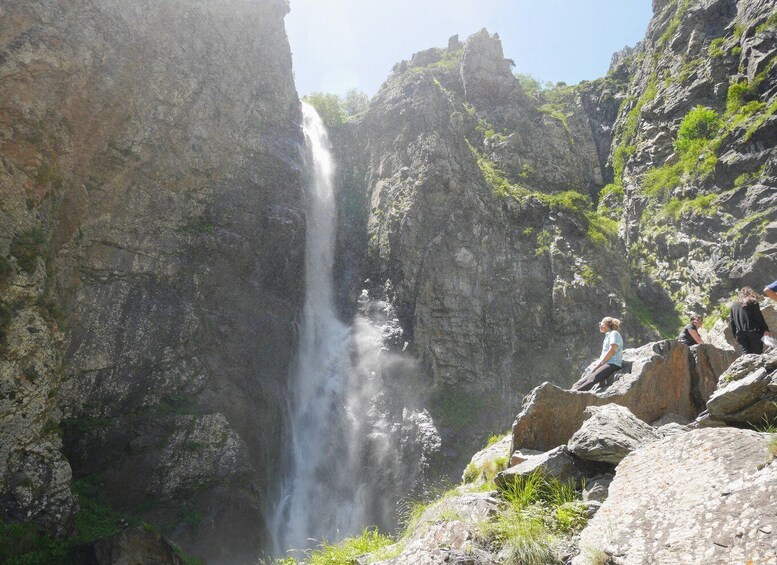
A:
(611, 358)
(771, 290)
(747, 322)
(689, 335)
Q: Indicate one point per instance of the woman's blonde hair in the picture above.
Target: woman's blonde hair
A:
(612, 323)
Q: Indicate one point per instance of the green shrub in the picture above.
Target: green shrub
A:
(590, 276)
(770, 23)
(701, 123)
(328, 106)
(23, 544)
(530, 85)
(716, 47)
(738, 94)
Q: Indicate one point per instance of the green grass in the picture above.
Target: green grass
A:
(539, 508)
(682, 7)
(716, 47)
(590, 276)
(24, 544)
(696, 146)
(556, 111)
(718, 312)
(770, 23)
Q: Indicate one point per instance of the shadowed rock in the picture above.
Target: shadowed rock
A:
(610, 434)
(708, 496)
(558, 463)
(747, 393)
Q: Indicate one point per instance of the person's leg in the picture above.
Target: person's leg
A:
(755, 343)
(596, 377)
(750, 342)
(744, 342)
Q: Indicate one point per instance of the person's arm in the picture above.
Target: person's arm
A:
(695, 335)
(607, 356)
(769, 291)
(760, 320)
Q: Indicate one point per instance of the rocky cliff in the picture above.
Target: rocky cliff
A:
(152, 242)
(151, 239)
(503, 220)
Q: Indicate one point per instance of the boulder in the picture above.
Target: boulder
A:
(708, 496)
(747, 391)
(487, 460)
(558, 463)
(597, 488)
(659, 384)
(708, 363)
(447, 532)
(610, 434)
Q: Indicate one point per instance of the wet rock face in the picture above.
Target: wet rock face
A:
(156, 146)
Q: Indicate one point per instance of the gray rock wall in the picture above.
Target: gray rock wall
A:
(157, 149)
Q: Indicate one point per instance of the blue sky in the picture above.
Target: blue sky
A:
(342, 44)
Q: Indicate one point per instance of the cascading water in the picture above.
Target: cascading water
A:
(319, 497)
(355, 448)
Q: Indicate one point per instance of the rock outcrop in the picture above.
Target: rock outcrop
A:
(708, 496)
(610, 434)
(747, 392)
(659, 384)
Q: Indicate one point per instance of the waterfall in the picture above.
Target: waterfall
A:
(320, 495)
(356, 444)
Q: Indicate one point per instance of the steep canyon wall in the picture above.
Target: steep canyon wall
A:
(152, 238)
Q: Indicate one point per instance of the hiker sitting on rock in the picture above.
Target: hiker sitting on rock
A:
(747, 322)
(609, 361)
(689, 335)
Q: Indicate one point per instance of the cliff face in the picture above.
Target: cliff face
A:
(481, 230)
(504, 220)
(152, 180)
(700, 185)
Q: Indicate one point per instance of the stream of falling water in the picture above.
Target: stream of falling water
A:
(321, 497)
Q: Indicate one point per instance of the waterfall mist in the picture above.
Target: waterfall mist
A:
(355, 445)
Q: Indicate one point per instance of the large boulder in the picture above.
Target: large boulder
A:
(708, 496)
(448, 532)
(709, 362)
(486, 462)
(659, 384)
(610, 434)
(747, 392)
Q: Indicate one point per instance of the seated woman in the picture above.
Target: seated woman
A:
(689, 335)
(609, 361)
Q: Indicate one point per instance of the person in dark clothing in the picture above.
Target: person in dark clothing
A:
(747, 322)
(689, 335)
